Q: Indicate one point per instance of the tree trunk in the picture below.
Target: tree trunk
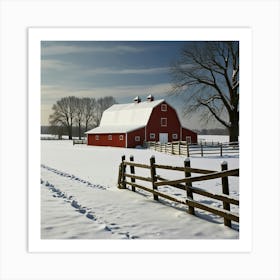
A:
(69, 132)
(233, 134)
(234, 128)
(79, 130)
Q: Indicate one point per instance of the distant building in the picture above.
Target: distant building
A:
(130, 125)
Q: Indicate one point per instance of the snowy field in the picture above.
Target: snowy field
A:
(80, 198)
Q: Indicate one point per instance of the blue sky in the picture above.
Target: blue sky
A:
(110, 68)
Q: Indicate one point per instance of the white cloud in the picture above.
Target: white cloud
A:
(67, 49)
(143, 71)
(52, 64)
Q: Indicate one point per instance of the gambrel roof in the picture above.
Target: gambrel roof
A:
(121, 118)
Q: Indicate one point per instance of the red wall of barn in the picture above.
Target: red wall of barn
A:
(186, 132)
(104, 141)
(154, 123)
(131, 143)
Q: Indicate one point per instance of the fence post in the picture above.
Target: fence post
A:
(120, 176)
(123, 172)
(226, 205)
(179, 148)
(172, 148)
(187, 163)
(188, 149)
(221, 149)
(201, 148)
(153, 175)
(132, 171)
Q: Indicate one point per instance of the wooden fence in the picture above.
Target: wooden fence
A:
(201, 149)
(185, 184)
(79, 141)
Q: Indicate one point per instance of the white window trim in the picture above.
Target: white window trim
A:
(97, 137)
(137, 138)
(164, 107)
(162, 120)
(110, 137)
(121, 137)
(189, 139)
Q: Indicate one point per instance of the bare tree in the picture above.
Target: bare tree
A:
(79, 114)
(90, 112)
(207, 73)
(83, 112)
(56, 130)
(64, 111)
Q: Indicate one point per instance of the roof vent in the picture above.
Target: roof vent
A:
(150, 97)
(137, 99)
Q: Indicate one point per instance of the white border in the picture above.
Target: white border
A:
(36, 35)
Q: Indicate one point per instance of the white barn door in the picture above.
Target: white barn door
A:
(163, 137)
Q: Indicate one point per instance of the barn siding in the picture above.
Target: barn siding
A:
(104, 141)
(154, 123)
(131, 143)
(186, 132)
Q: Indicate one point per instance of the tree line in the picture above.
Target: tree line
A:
(79, 113)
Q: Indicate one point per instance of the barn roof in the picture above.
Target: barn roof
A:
(113, 129)
(125, 117)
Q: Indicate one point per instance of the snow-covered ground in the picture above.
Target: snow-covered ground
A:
(80, 198)
(214, 138)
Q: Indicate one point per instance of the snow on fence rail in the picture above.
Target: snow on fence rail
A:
(184, 184)
(201, 149)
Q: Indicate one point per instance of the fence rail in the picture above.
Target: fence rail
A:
(200, 149)
(128, 178)
(79, 141)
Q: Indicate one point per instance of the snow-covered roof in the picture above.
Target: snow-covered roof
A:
(121, 118)
(125, 117)
(113, 129)
(131, 114)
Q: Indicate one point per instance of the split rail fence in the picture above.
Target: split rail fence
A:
(128, 178)
(200, 149)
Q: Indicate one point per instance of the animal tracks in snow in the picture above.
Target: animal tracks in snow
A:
(88, 213)
(73, 177)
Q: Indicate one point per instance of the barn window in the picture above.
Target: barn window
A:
(110, 137)
(121, 137)
(163, 121)
(174, 136)
(163, 107)
(152, 136)
(188, 139)
(96, 137)
(137, 138)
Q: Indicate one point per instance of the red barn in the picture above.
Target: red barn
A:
(130, 125)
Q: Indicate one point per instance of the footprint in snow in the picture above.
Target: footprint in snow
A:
(91, 216)
(82, 211)
(75, 204)
(107, 228)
